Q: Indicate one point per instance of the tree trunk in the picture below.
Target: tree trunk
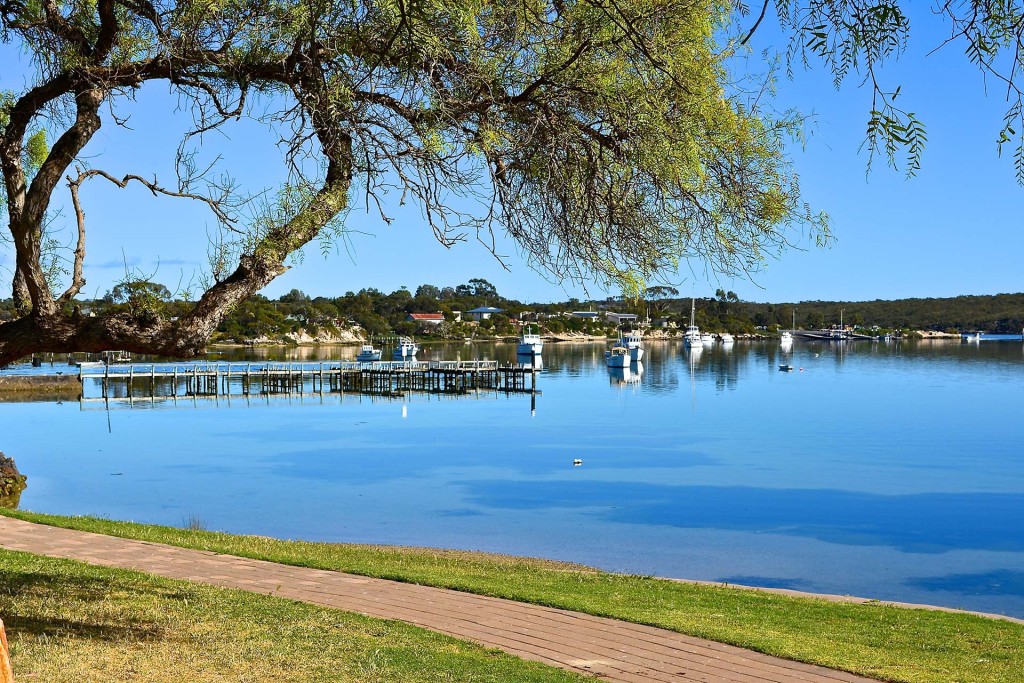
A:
(6, 673)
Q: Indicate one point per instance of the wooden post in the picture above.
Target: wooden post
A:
(6, 673)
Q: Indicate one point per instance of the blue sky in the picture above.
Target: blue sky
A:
(951, 230)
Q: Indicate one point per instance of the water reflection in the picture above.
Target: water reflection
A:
(630, 376)
(886, 470)
(918, 523)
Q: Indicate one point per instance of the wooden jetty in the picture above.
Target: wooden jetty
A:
(382, 378)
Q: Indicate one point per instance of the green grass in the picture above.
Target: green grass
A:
(74, 623)
(875, 640)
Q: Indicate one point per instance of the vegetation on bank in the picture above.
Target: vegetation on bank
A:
(888, 643)
(371, 312)
(71, 622)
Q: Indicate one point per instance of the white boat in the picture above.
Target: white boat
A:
(692, 337)
(837, 334)
(635, 343)
(406, 349)
(530, 344)
(368, 354)
(726, 338)
(617, 356)
(115, 357)
(707, 339)
(786, 338)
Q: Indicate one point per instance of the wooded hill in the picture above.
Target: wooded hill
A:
(379, 313)
(999, 313)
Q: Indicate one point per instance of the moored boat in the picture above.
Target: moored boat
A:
(635, 343)
(692, 337)
(617, 356)
(406, 349)
(726, 338)
(368, 354)
(530, 344)
(115, 357)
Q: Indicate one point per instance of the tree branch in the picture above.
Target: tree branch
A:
(760, 18)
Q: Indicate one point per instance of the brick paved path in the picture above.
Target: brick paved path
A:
(613, 650)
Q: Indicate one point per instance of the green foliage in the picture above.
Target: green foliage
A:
(143, 300)
(855, 38)
(608, 140)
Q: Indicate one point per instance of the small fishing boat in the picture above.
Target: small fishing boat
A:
(786, 338)
(635, 343)
(406, 349)
(617, 356)
(368, 354)
(707, 339)
(726, 338)
(785, 368)
(530, 344)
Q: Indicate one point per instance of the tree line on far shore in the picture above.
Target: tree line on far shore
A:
(379, 313)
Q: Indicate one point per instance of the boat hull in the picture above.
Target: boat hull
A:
(616, 360)
(530, 349)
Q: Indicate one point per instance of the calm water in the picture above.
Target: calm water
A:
(892, 471)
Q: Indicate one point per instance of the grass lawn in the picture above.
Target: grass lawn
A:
(884, 642)
(74, 623)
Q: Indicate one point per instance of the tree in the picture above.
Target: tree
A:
(428, 292)
(606, 139)
(659, 292)
(139, 289)
(483, 289)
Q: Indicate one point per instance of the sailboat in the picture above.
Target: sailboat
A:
(786, 338)
(692, 337)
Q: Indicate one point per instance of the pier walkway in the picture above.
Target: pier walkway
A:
(612, 650)
(382, 378)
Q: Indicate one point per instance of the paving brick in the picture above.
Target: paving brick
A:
(609, 649)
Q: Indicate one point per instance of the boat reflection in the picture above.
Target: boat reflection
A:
(535, 362)
(627, 376)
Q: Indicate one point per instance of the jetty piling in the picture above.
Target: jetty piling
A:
(381, 378)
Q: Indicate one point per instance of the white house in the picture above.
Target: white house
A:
(619, 318)
(483, 312)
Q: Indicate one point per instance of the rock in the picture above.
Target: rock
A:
(12, 482)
